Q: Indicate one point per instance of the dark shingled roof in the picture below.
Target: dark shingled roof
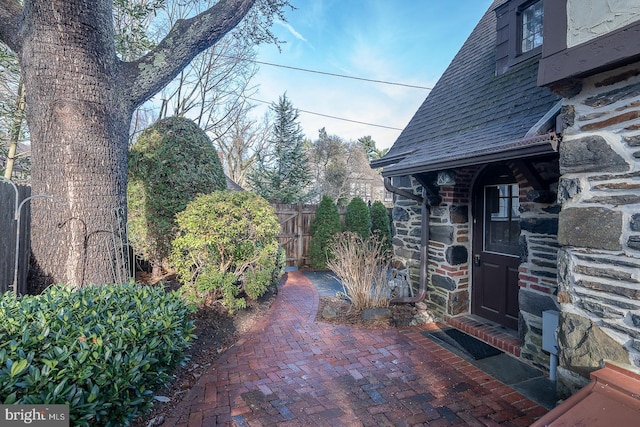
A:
(471, 114)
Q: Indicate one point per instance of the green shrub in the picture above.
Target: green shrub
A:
(357, 218)
(281, 263)
(100, 349)
(324, 226)
(171, 162)
(226, 246)
(381, 225)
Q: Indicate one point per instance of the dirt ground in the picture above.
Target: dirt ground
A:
(217, 330)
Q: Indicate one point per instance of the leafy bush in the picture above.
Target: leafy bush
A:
(100, 349)
(362, 268)
(227, 245)
(381, 225)
(324, 226)
(357, 218)
(171, 162)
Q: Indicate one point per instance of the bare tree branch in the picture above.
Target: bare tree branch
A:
(146, 76)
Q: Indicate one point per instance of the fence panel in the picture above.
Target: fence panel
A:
(295, 230)
(8, 237)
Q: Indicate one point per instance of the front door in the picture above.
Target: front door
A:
(496, 233)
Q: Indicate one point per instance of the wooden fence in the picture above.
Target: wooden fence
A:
(8, 237)
(295, 230)
(295, 234)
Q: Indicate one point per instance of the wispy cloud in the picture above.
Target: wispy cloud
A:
(389, 40)
(292, 30)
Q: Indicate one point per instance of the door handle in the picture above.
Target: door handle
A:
(476, 260)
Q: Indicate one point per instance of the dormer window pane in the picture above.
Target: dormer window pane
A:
(531, 27)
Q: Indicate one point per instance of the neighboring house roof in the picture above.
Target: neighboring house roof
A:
(471, 114)
(232, 185)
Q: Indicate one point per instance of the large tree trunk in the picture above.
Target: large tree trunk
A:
(79, 133)
(80, 99)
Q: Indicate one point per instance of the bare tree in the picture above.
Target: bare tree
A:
(216, 84)
(239, 144)
(213, 90)
(341, 168)
(325, 154)
(12, 113)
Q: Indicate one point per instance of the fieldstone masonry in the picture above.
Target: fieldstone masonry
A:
(449, 251)
(599, 227)
(538, 261)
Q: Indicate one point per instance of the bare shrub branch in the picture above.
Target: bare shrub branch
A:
(362, 266)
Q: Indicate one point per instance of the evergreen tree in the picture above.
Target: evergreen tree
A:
(324, 226)
(358, 218)
(369, 146)
(380, 223)
(283, 172)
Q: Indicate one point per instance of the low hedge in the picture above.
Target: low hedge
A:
(101, 349)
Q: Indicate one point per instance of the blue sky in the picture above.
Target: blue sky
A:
(403, 41)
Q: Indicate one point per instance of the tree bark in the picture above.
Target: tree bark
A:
(79, 140)
(80, 100)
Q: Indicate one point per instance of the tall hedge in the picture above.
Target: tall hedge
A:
(169, 165)
(358, 218)
(323, 227)
(380, 223)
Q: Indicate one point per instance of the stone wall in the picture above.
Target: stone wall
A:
(599, 227)
(538, 256)
(407, 224)
(450, 247)
(449, 283)
(449, 243)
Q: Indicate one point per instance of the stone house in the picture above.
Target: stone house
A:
(517, 184)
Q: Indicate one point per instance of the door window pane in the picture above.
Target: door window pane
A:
(502, 219)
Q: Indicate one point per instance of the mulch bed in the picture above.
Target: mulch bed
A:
(401, 314)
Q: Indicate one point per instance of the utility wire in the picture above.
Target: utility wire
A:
(333, 117)
(344, 76)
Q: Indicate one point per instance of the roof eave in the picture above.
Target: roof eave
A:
(389, 160)
(535, 146)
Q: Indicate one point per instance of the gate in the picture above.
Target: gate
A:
(8, 238)
(295, 231)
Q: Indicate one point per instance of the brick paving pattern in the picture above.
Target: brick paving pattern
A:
(293, 371)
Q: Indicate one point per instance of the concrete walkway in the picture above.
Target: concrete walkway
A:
(293, 371)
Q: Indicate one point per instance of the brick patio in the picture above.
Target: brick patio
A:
(293, 371)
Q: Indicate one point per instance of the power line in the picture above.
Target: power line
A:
(344, 76)
(333, 117)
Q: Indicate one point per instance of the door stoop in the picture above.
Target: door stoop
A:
(490, 332)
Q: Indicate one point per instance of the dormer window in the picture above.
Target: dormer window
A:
(531, 27)
(519, 32)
